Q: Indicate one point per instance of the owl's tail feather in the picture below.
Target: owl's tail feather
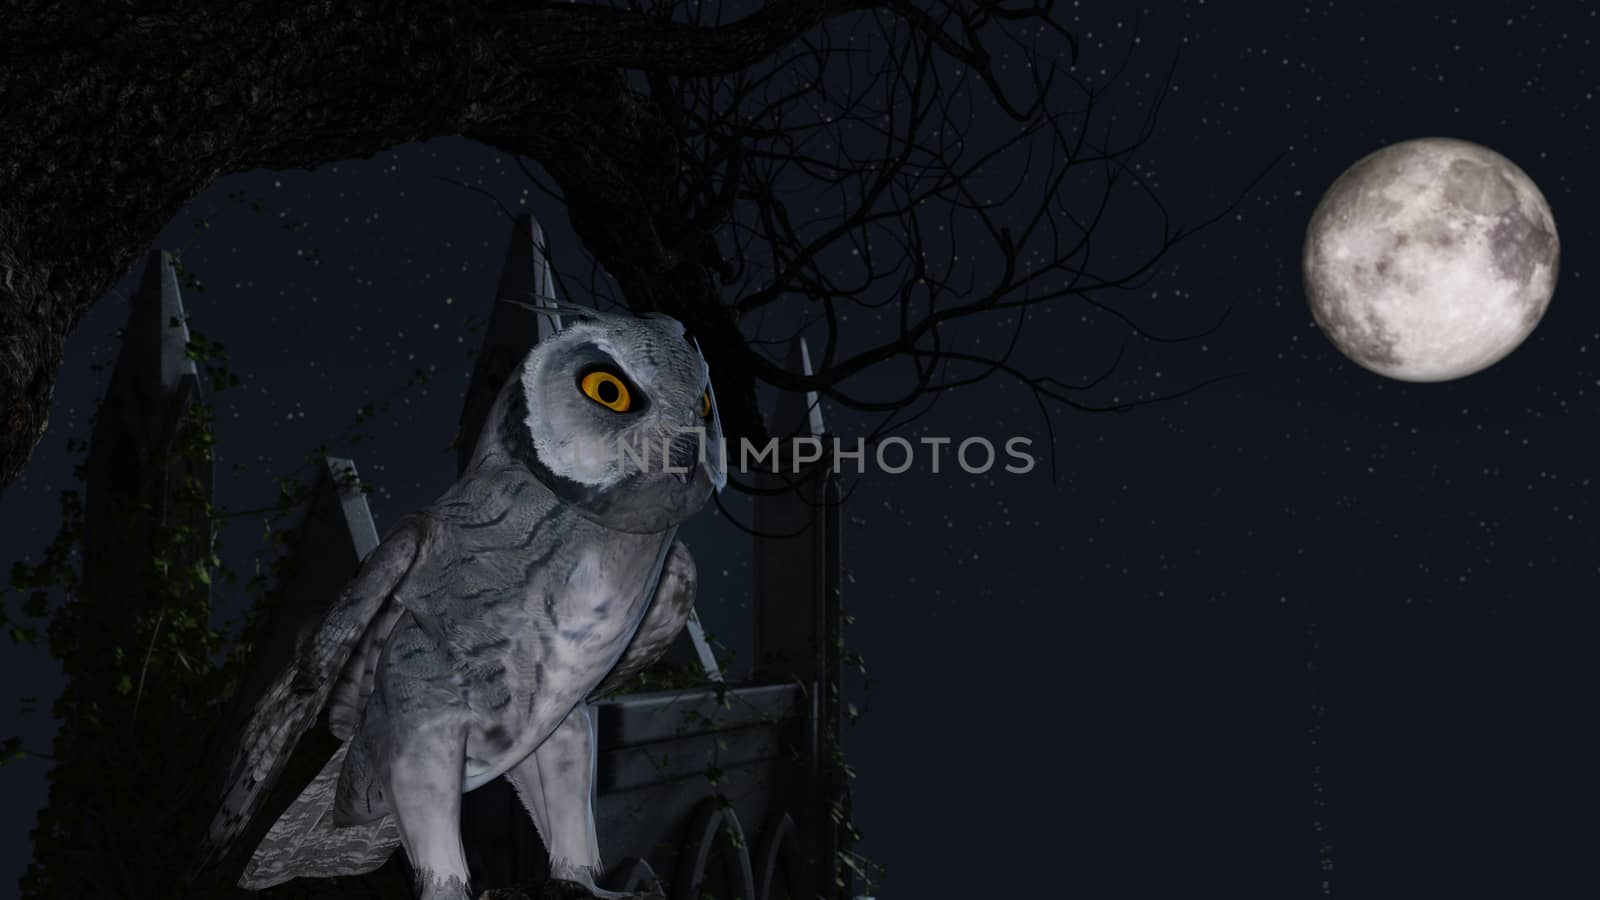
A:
(304, 842)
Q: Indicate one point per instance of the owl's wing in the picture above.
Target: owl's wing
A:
(360, 618)
(350, 692)
(670, 608)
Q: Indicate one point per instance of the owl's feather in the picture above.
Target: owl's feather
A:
(304, 842)
(292, 704)
(673, 603)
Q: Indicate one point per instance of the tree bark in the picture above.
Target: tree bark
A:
(114, 118)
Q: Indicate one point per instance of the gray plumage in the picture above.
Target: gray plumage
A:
(469, 641)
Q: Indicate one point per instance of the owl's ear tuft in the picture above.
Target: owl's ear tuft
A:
(574, 313)
(564, 311)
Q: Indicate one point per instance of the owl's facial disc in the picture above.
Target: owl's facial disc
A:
(620, 421)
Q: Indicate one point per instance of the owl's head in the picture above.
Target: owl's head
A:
(615, 414)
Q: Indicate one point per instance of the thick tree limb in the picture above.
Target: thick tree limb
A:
(116, 117)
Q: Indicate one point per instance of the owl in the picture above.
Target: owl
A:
(469, 641)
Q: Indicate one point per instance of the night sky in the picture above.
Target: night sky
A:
(1305, 632)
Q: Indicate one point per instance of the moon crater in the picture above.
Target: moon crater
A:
(1430, 259)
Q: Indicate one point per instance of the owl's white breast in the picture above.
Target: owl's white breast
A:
(573, 633)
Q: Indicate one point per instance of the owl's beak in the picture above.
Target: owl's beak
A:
(683, 459)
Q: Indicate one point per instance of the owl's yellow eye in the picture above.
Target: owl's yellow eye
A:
(607, 390)
(705, 404)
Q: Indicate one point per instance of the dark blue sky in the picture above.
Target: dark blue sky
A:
(1305, 633)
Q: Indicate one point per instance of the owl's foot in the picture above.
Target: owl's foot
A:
(435, 887)
(571, 880)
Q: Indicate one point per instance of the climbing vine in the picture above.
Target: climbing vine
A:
(143, 702)
(144, 690)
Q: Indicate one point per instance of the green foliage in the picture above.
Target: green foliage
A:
(125, 607)
(848, 859)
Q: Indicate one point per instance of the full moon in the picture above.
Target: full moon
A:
(1430, 259)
